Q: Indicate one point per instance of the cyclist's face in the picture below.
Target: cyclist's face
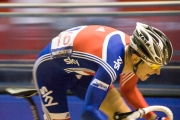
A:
(144, 71)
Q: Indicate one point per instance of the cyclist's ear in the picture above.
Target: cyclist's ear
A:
(135, 58)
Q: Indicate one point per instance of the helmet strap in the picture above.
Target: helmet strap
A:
(135, 67)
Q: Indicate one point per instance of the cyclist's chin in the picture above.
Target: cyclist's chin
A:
(144, 78)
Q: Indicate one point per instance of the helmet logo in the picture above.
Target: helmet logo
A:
(140, 53)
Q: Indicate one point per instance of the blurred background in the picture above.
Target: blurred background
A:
(22, 37)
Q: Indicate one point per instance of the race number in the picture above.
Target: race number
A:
(62, 45)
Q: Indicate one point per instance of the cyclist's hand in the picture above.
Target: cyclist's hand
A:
(161, 118)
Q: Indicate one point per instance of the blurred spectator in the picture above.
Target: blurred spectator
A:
(68, 22)
(25, 36)
(148, 8)
(4, 25)
(33, 20)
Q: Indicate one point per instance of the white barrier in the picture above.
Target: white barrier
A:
(85, 5)
(89, 14)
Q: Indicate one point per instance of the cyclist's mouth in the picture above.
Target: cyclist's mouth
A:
(148, 75)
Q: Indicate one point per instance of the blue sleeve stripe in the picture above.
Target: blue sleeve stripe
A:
(42, 59)
(86, 56)
(93, 58)
(37, 63)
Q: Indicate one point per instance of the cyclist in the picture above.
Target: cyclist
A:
(88, 59)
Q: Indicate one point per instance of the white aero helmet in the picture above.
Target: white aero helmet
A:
(151, 45)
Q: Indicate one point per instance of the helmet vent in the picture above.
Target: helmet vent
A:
(144, 50)
(156, 50)
(157, 59)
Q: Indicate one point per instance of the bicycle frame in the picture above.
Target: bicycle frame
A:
(33, 108)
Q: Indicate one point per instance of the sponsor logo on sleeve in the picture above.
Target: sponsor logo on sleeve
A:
(118, 63)
(99, 84)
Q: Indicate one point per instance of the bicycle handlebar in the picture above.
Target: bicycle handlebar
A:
(143, 111)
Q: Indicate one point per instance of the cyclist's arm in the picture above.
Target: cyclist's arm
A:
(131, 93)
(96, 93)
(113, 103)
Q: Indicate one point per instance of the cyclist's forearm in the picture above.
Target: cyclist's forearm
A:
(113, 103)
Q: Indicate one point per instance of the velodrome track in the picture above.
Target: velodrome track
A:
(19, 109)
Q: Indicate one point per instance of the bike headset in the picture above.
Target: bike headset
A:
(151, 45)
